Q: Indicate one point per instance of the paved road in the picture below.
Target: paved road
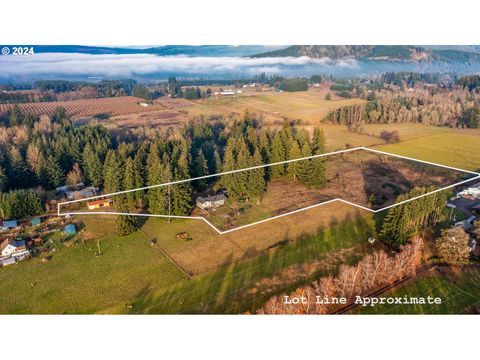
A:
(465, 205)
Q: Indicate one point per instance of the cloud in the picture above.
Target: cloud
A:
(145, 64)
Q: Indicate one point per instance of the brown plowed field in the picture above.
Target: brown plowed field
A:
(80, 108)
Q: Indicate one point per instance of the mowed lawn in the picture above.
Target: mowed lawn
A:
(453, 147)
(77, 281)
(459, 293)
(244, 285)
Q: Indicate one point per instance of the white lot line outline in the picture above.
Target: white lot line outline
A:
(477, 176)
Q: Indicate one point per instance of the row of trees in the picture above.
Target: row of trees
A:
(19, 204)
(437, 106)
(373, 271)
(252, 150)
(406, 220)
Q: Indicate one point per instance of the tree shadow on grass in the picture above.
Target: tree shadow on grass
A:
(245, 285)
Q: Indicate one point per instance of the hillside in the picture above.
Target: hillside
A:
(384, 52)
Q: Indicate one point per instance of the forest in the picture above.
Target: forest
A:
(436, 106)
(47, 152)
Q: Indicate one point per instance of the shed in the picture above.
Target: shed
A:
(97, 204)
(9, 224)
(8, 261)
(70, 229)
(36, 221)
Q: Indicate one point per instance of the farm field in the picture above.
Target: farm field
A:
(77, 281)
(459, 148)
(459, 290)
(130, 270)
(88, 107)
(209, 250)
(309, 106)
(241, 286)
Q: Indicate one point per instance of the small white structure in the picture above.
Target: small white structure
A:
(210, 202)
(144, 104)
(473, 190)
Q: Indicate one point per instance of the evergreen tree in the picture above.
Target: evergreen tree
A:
(318, 164)
(19, 174)
(305, 167)
(129, 183)
(167, 190)
(55, 172)
(182, 192)
(256, 177)
(201, 169)
(125, 224)
(93, 166)
(140, 175)
(112, 172)
(3, 180)
(293, 168)
(318, 141)
(244, 161)
(217, 162)
(278, 154)
(155, 177)
(230, 164)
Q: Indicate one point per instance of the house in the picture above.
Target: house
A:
(70, 229)
(10, 247)
(36, 221)
(81, 194)
(210, 202)
(97, 204)
(473, 191)
(67, 189)
(8, 224)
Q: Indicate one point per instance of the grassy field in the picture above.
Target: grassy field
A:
(207, 250)
(453, 147)
(309, 106)
(242, 286)
(460, 292)
(77, 281)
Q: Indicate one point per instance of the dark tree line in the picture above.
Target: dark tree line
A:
(406, 220)
(49, 152)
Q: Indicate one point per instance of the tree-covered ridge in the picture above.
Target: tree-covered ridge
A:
(389, 52)
(342, 51)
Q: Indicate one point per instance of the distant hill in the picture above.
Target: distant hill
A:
(167, 50)
(383, 52)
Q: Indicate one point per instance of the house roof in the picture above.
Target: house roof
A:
(212, 198)
(19, 243)
(3, 244)
(102, 201)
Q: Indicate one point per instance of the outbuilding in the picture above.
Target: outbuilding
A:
(8, 224)
(70, 229)
(97, 204)
(36, 221)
